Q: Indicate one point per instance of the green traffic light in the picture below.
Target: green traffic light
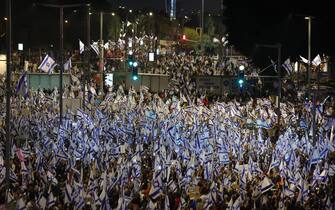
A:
(135, 77)
(240, 82)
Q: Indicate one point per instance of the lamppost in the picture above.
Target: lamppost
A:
(202, 23)
(87, 53)
(8, 93)
(61, 50)
(309, 18)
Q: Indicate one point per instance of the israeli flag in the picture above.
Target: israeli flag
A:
(51, 201)
(81, 47)
(106, 46)
(48, 64)
(20, 83)
(266, 185)
(21, 205)
(68, 65)
(287, 66)
(317, 60)
(304, 60)
(95, 47)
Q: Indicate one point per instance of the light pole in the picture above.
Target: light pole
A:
(202, 23)
(8, 93)
(101, 57)
(309, 18)
(61, 50)
(87, 53)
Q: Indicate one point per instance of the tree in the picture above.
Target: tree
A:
(114, 27)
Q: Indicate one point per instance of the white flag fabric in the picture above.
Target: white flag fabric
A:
(106, 45)
(68, 65)
(287, 66)
(304, 59)
(81, 47)
(317, 60)
(48, 64)
(266, 185)
(95, 47)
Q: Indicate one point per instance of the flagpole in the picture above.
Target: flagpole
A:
(8, 94)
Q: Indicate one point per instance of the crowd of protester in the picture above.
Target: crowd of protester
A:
(140, 150)
(177, 149)
(166, 61)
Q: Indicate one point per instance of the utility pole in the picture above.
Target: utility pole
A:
(202, 24)
(61, 59)
(101, 57)
(309, 18)
(61, 50)
(279, 74)
(87, 53)
(8, 94)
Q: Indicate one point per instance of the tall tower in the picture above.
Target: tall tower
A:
(170, 6)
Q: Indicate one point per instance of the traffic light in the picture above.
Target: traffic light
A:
(134, 74)
(183, 37)
(130, 61)
(240, 79)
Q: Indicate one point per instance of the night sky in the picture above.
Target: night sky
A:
(249, 22)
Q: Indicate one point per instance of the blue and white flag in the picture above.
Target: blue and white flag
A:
(167, 203)
(81, 47)
(317, 60)
(51, 201)
(20, 82)
(21, 205)
(48, 64)
(95, 47)
(287, 66)
(68, 65)
(266, 185)
(304, 60)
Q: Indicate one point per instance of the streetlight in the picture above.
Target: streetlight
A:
(61, 50)
(309, 18)
(8, 93)
(151, 14)
(202, 23)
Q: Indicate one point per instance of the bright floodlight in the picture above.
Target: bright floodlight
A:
(241, 67)
(135, 64)
(20, 47)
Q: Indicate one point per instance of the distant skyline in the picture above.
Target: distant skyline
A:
(249, 22)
